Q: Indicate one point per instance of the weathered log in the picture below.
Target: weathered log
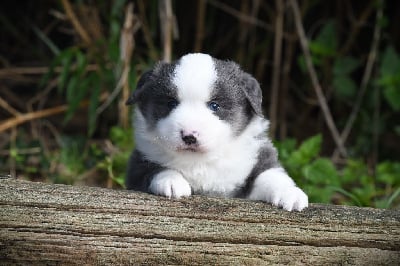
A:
(59, 224)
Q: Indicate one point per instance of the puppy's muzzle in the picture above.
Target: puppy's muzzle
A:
(189, 139)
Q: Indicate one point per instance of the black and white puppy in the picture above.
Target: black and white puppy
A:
(199, 129)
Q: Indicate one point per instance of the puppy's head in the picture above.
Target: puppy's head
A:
(195, 105)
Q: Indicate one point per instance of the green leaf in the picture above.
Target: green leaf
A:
(117, 7)
(71, 89)
(307, 151)
(388, 173)
(365, 194)
(76, 95)
(345, 65)
(318, 194)
(322, 172)
(120, 180)
(66, 61)
(397, 129)
(285, 148)
(392, 96)
(350, 195)
(392, 198)
(122, 138)
(301, 61)
(390, 64)
(81, 62)
(325, 44)
(353, 170)
(390, 77)
(321, 49)
(93, 102)
(344, 86)
(50, 73)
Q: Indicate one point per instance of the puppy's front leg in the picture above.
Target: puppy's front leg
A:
(276, 187)
(171, 184)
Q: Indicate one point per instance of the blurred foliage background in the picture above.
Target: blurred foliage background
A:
(329, 70)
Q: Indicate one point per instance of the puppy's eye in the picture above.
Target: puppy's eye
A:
(213, 106)
(172, 103)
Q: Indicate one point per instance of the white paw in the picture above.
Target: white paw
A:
(276, 187)
(170, 184)
(289, 198)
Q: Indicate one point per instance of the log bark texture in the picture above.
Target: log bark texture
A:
(51, 224)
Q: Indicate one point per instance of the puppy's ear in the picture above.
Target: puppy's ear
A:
(139, 87)
(253, 93)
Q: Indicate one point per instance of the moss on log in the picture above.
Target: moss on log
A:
(59, 224)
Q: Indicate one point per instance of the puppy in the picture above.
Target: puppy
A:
(199, 129)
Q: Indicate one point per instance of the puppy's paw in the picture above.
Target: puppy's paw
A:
(289, 198)
(170, 184)
(276, 187)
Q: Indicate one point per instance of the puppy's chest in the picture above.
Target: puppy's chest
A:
(220, 177)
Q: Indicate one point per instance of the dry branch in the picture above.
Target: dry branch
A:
(356, 27)
(200, 25)
(276, 71)
(4, 104)
(127, 46)
(314, 79)
(40, 70)
(59, 224)
(239, 15)
(166, 20)
(146, 31)
(75, 22)
(23, 118)
(366, 76)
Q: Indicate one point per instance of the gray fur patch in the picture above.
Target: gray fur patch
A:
(231, 73)
(140, 172)
(155, 92)
(267, 158)
(239, 97)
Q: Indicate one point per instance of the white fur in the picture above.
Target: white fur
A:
(170, 184)
(276, 187)
(194, 77)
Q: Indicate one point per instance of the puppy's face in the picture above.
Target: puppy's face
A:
(196, 104)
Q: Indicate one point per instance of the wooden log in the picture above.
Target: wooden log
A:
(59, 224)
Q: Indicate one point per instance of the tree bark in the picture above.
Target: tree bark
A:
(59, 224)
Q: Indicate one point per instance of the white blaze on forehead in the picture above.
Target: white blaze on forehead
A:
(195, 76)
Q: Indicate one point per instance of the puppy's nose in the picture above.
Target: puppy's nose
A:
(189, 138)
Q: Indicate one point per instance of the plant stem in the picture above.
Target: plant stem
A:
(201, 11)
(314, 79)
(366, 77)
(75, 22)
(166, 19)
(276, 70)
